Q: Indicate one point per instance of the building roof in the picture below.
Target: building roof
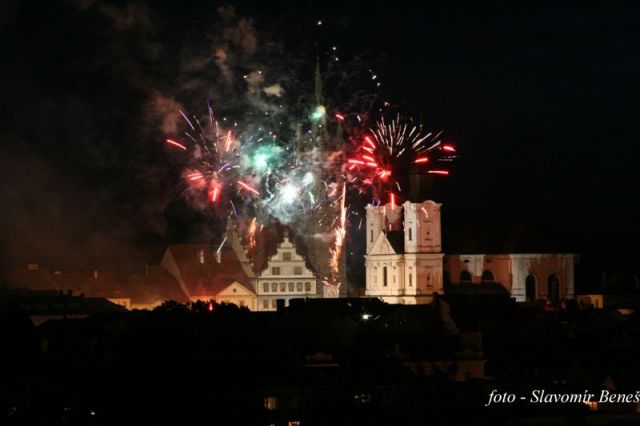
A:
(48, 302)
(201, 272)
(154, 286)
(501, 238)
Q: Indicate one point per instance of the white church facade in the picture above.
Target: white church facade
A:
(405, 263)
(404, 252)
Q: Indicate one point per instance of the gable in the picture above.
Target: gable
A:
(235, 289)
(382, 246)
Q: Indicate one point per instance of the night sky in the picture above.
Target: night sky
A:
(541, 100)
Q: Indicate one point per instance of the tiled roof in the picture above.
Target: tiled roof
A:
(201, 272)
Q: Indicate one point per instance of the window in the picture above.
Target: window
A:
(487, 276)
(265, 287)
(299, 286)
(241, 303)
(265, 304)
(286, 255)
(297, 270)
(275, 270)
(553, 287)
(274, 303)
(283, 287)
(384, 276)
(465, 276)
(270, 403)
(274, 287)
(530, 288)
(291, 287)
(410, 280)
(410, 232)
(307, 286)
(371, 235)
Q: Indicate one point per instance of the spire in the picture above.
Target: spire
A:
(318, 82)
(318, 111)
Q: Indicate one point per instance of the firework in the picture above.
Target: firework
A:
(213, 156)
(335, 252)
(251, 237)
(388, 151)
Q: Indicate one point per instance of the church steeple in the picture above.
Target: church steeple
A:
(319, 112)
(318, 83)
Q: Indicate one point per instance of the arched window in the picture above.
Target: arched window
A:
(465, 276)
(371, 235)
(487, 276)
(410, 280)
(410, 232)
(384, 276)
(530, 288)
(553, 287)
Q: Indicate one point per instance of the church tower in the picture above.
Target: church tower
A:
(404, 252)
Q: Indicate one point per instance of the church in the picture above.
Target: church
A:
(405, 262)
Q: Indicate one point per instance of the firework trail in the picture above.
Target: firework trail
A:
(335, 252)
(340, 234)
(251, 237)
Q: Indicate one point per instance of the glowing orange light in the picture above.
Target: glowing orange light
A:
(214, 195)
(179, 145)
(392, 200)
(421, 160)
(438, 172)
(247, 187)
(384, 174)
(229, 140)
(448, 148)
(340, 117)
